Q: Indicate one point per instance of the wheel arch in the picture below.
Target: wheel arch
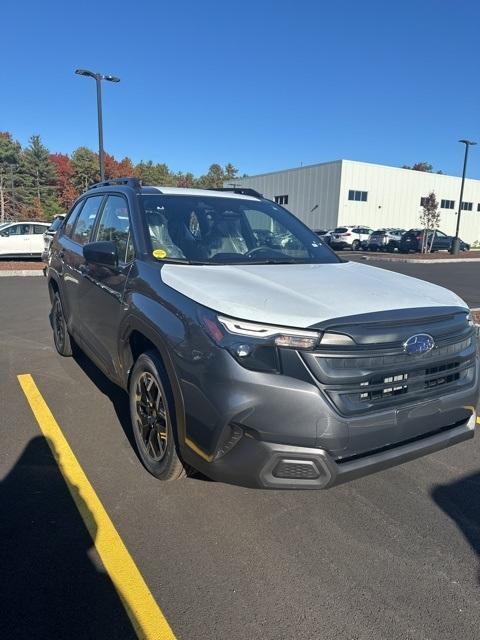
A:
(139, 337)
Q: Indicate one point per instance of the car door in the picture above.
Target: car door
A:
(35, 240)
(441, 241)
(78, 230)
(101, 288)
(14, 240)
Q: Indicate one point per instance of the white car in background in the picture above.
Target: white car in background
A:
(21, 239)
(350, 237)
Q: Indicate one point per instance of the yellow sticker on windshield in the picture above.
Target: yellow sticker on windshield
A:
(159, 253)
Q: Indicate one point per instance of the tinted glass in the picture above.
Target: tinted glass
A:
(18, 230)
(39, 228)
(86, 220)
(55, 226)
(114, 224)
(72, 218)
(341, 230)
(217, 230)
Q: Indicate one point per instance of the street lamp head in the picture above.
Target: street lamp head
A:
(468, 142)
(111, 78)
(85, 72)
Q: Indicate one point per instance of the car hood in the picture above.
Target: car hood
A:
(301, 295)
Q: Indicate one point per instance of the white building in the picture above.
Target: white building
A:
(345, 192)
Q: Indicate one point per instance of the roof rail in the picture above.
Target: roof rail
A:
(133, 182)
(244, 191)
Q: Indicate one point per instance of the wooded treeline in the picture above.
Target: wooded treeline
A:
(37, 184)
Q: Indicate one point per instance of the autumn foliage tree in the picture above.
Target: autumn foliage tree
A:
(35, 183)
(67, 193)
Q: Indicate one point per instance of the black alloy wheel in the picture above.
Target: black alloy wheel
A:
(61, 336)
(152, 411)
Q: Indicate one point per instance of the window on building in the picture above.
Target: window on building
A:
(423, 201)
(447, 204)
(281, 199)
(359, 196)
(467, 206)
(478, 206)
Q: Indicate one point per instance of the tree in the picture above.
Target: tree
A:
(66, 191)
(154, 174)
(85, 168)
(9, 178)
(421, 166)
(213, 179)
(38, 191)
(430, 221)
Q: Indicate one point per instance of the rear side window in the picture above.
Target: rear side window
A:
(114, 226)
(72, 218)
(86, 220)
(18, 230)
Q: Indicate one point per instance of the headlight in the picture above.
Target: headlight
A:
(281, 336)
(258, 346)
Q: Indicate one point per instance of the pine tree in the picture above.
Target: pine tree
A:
(38, 191)
(10, 179)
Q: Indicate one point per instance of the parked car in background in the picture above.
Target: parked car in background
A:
(50, 232)
(350, 237)
(412, 241)
(326, 236)
(384, 240)
(21, 239)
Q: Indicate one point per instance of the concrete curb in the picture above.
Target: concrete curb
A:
(21, 272)
(419, 261)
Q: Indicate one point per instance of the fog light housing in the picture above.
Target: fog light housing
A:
(296, 470)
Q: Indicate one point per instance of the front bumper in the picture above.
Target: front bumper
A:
(259, 464)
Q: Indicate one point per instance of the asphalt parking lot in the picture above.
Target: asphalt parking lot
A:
(393, 555)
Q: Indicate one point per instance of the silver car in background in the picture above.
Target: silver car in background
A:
(49, 234)
(384, 240)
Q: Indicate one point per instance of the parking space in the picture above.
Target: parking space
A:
(394, 555)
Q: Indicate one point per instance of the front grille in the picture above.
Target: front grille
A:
(370, 376)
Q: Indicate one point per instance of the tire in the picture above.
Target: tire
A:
(355, 245)
(152, 412)
(61, 337)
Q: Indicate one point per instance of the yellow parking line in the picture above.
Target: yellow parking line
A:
(144, 613)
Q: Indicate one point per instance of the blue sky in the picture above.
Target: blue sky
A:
(264, 85)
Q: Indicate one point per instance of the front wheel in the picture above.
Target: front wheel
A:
(61, 337)
(355, 245)
(153, 418)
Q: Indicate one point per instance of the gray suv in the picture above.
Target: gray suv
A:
(250, 351)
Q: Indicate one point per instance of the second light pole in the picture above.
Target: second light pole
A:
(455, 248)
(98, 77)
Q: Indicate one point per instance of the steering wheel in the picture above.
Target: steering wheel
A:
(253, 252)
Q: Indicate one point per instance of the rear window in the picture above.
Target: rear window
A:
(341, 230)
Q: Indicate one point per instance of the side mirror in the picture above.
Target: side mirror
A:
(102, 254)
(5, 234)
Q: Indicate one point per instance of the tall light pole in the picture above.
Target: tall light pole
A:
(98, 77)
(455, 248)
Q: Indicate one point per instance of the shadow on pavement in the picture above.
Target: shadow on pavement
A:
(116, 395)
(460, 500)
(119, 400)
(49, 586)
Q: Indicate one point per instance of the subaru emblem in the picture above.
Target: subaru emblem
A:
(419, 344)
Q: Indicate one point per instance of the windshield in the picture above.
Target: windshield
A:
(217, 230)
